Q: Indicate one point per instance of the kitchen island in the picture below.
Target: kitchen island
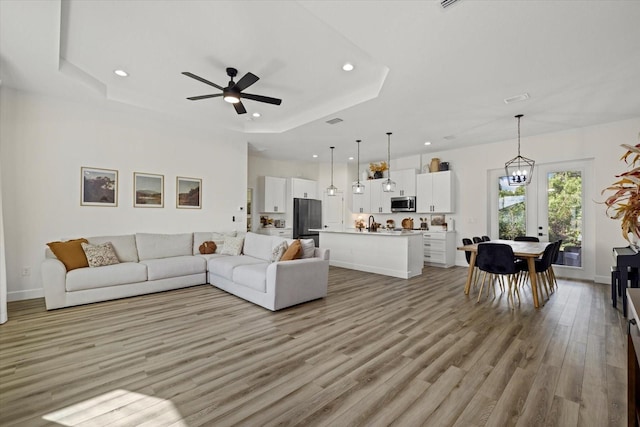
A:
(392, 253)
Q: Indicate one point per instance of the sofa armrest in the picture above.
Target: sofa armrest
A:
(54, 279)
(294, 282)
(322, 253)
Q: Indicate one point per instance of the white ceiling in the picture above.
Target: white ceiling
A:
(422, 72)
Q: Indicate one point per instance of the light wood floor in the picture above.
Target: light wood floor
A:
(376, 351)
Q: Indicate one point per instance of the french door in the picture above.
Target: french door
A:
(553, 207)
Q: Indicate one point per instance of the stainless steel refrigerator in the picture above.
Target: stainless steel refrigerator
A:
(307, 215)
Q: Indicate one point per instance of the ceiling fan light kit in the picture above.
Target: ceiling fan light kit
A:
(519, 170)
(233, 92)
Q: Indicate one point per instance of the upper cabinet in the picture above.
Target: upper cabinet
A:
(271, 194)
(304, 188)
(362, 202)
(380, 200)
(405, 180)
(435, 192)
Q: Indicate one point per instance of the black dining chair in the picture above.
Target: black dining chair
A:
(486, 238)
(498, 260)
(542, 266)
(477, 239)
(526, 239)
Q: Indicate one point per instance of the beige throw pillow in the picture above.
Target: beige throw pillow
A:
(278, 251)
(232, 245)
(100, 255)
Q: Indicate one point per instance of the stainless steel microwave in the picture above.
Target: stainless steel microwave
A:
(403, 204)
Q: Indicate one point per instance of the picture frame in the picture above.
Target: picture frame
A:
(148, 190)
(188, 193)
(98, 187)
(437, 219)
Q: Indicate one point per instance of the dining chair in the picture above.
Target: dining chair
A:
(467, 255)
(554, 258)
(477, 239)
(526, 239)
(542, 266)
(498, 260)
(486, 238)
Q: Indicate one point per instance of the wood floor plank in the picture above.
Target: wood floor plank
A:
(376, 351)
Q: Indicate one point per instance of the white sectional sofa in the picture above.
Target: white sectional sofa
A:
(159, 262)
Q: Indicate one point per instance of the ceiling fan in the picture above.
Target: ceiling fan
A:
(233, 92)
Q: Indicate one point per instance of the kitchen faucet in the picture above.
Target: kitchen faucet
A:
(372, 224)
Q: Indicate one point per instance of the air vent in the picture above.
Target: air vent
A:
(334, 121)
(450, 137)
(517, 98)
(447, 3)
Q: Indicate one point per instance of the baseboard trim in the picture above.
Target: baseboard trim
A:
(25, 294)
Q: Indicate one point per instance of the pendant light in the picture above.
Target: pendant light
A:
(388, 185)
(357, 187)
(519, 170)
(331, 190)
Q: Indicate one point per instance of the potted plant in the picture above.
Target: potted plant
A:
(624, 203)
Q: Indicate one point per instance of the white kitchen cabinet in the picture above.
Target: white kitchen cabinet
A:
(380, 200)
(271, 194)
(287, 233)
(303, 188)
(361, 203)
(405, 180)
(439, 248)
(435, 192)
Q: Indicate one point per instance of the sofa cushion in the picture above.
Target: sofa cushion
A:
(278, 251)
(232, 245)
(99, 255)
(108, 275)
(258, 246)
(124, 246)
(252, 276)
(163, 268)
(70, 253)
(200, 237)
(154, 246)
(308, 248)
(294, 251)
(223, 266)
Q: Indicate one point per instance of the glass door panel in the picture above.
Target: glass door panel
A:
(512, 210)
(564, 214)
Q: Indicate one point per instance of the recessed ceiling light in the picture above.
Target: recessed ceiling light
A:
(256, 114)
(315, 156)
(351, 158)
(347, 66)
(121, 73)
(517, 98)
(427, 143)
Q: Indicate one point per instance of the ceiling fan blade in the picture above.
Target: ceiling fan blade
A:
(239, 108)
(200, 79)
(246, 81)
(261, 98)
(196, 98)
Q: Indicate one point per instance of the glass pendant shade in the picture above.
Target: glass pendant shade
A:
(332, 190)
(358, 188)
(519, 170)
(388, 186)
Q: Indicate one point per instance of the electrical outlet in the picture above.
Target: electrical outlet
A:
(26, 271)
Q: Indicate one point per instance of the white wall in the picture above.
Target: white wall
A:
(43, 144)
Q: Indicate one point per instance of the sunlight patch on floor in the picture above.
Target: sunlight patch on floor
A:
(118, 406)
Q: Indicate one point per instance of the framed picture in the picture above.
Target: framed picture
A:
(98, 187)
(188, 193)
(437, 220)
(148, 190)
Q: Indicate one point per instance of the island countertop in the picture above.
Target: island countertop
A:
(392, 253)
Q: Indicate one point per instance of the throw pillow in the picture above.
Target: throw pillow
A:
(232, 245)
(308, 248)
(100, 255)
(294, 251)
(70, 253)
(278, 251)
(207, 248)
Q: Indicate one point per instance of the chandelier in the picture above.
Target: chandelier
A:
(519, 170)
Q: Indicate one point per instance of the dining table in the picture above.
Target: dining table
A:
(529, 251)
